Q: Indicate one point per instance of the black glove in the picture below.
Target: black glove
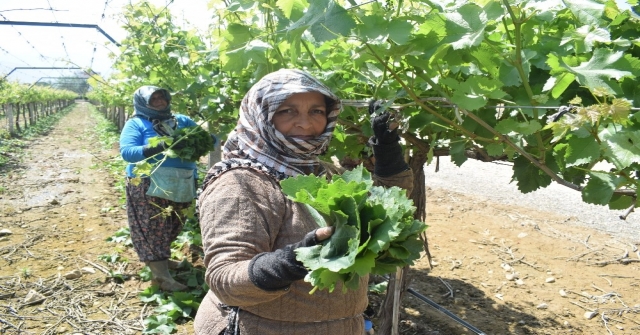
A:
(379, 124)
(148, 151)
(178, 145)
(386, 148)
(276, 270)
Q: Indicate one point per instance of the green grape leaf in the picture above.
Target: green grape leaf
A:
(620, 201)
(581, 151)
(558, 84)
(587, 11)
(495, 149)
(337, 253)
(528, 176)
(335, 22)
(457, 153)
(507, 126)
(159, 324)
(308, 185)
(313, 14)
(465, 27)
(400, 31)
(598, 71)
(374, 28)
(291, 7)
(599, 188)
(623, 146)
(368, 221)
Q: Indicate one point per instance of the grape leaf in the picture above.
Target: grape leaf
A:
(465, 27)
(528, 176)
(525, 128)
(372, 224)
(599, 188)
(587, 11)
(400, 31)
(598, 71)
(581, 151)
(623, 146)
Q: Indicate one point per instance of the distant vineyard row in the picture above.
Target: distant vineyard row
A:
(22, 105)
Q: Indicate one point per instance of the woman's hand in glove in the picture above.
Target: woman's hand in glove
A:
(178, 144)
(385, 142)
(149, 151)
(276, 270)
(384, 131)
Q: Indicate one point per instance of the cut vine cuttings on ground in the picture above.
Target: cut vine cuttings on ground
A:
(375, 231)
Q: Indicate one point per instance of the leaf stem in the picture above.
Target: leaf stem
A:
(517, 24)
(313, 59)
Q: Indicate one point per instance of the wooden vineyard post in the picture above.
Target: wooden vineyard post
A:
(397, 289)
(10, 118)
(214, 156)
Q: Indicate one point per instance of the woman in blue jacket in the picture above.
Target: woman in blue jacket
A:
(155, 203)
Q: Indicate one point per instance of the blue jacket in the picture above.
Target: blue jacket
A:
(136, 134)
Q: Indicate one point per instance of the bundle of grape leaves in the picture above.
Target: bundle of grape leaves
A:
(194, 141)
(375, 231)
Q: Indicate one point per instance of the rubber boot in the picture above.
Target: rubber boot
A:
(161, 276)
(174, 264)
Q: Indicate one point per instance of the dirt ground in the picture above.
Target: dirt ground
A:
(503, 269)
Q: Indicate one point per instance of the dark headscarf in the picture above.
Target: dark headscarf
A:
(257, 144)
(141, 105)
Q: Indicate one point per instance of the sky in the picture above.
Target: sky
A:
(38, 46)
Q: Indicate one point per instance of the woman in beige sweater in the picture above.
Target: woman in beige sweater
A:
(250, 229)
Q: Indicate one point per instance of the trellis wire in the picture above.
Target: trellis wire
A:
(365, 103)
(28, 42)
(64, 46)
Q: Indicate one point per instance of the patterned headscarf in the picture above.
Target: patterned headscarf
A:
(141, 99)
(255, 142)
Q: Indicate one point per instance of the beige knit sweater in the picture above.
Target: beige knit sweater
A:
(242, 214)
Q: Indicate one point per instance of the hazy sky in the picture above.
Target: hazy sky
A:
(37, 46)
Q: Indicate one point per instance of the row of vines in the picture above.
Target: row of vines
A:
(21, 106)
(548, 85)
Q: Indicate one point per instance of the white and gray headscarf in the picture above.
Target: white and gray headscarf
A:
(255, 142)
(142, 98)
(164, 123)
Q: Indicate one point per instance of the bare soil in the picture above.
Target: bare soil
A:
(501, 267)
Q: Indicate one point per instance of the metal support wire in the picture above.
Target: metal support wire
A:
(40, 68)
(93, 54)
(441, 309)
(64, 46)
(67, 25)
(37, 81)
(446, 312)
(25, 39)
(365, 103)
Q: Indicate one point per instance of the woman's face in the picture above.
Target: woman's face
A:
(302, 115)
(158, 101)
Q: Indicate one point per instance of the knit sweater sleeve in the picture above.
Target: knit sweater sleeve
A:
(402, 179)
(132, 140)
(240, 216)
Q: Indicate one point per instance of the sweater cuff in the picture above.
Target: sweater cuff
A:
(389, 159)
